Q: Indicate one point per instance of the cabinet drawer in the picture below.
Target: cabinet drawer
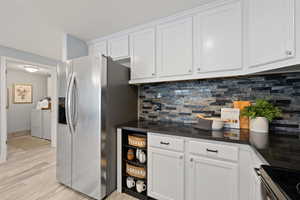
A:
(165, 142)
(214, 150)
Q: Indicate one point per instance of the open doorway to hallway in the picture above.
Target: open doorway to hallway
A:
(29, 94)
(28, 106)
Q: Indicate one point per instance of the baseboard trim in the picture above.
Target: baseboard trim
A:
(18, 134)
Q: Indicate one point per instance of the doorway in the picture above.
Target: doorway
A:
(28, 106)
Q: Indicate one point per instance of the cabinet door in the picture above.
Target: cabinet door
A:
(101, 48)
(212, 179)
(142, 54)
(218, 39)
(165, 174)
(118, 48)
(270, 31)
(175, 48)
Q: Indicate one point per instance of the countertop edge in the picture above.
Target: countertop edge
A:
(244, 144)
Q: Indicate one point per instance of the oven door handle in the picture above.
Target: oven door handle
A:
(268, 189)
(270, 192)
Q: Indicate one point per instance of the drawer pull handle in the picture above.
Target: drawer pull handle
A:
(164, 143)
(213, 151)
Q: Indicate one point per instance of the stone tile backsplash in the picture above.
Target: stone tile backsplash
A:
(182, 101)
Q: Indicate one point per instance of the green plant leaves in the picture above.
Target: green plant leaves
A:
(261, 108)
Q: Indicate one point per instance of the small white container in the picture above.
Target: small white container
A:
(259, 125)
(217, 124)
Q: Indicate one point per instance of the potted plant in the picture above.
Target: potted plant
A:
(260, 114)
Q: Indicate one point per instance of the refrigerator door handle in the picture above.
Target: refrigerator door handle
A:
(67, 113)
(69, 103)
(75, 102)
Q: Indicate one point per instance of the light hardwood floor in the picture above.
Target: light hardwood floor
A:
(29, 173)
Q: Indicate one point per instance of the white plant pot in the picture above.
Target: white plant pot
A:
(259, 124)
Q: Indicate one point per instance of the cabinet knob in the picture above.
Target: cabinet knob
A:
(192, 159)
(153, 74)
(190, 70)
(198, 69)
(288, 52)
(181, 157)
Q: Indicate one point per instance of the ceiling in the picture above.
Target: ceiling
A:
(20, 67)
(37, 25)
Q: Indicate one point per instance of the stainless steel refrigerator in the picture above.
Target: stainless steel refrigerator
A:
(94, 96)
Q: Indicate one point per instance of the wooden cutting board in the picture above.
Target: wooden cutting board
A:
(244, 121)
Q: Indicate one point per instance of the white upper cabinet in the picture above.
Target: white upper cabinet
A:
(142, 54)
(118, 48)
(100, 48)
(218, 39)
(212, 179)
(270, 31)
(175, 47)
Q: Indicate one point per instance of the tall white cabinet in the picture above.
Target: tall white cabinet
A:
(142, 54)
(270, 31)
(175, 47)
(218, 38)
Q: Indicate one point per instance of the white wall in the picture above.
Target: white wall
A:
(18, 115)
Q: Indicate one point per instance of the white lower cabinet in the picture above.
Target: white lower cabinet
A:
(211, 179)
(177, 173)
(165, 174)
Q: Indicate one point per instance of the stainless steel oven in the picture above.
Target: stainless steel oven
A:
(270, 194)
(279, 183)
(268, 186)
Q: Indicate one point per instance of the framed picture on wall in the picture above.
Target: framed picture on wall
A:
(22, 93)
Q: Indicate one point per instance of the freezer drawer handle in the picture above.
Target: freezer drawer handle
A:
(164, 143)
(213, 151)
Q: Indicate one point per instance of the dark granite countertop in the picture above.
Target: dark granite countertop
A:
(277, 148)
